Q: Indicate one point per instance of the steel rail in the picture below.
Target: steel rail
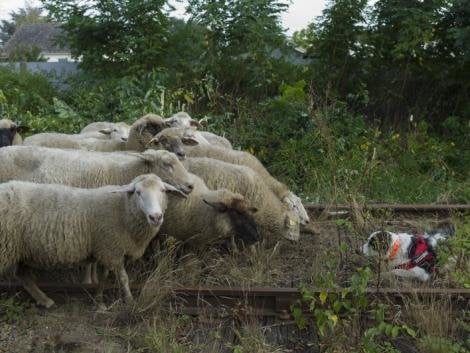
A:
(391, 207)
(262, 301)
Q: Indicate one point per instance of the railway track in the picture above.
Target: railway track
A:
(415, 208)
(269, 301)
(256, 301)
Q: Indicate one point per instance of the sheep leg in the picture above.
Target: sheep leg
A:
(91, 273)
(94, 273)
(87, 277)
(121, 274)
(27, 279)
(100, 290)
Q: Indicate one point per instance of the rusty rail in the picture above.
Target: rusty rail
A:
(261, 301)
(391, 207)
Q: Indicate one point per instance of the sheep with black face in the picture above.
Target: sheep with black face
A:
(10, 133)
(274, 218)
(207, 217)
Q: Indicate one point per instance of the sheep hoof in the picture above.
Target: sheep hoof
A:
(87, 281)
(101, 307)
(47, 303)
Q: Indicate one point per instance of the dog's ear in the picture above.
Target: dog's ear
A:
(381, 242)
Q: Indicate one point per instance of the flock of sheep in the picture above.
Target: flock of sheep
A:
(101, 196)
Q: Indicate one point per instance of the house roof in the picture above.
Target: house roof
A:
(41, 35)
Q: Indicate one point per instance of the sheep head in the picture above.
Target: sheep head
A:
(143, 130)
(173, 140)
(120, 132)
(295, 203)
(235, 215)
(168, 167)
(291, 225)
(183, 120)
(9, 131)
(149, 193)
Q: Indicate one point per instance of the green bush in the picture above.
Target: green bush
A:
(22, 92)
(121, 99)
(335, 154)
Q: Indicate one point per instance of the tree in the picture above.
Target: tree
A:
(241, 36)
(305, 37)
(26, 53)
(27, 15)
(338, 49)
(184, 52)
(113, 36)
(417, 66)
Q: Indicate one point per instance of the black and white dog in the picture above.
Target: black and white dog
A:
(408, 255)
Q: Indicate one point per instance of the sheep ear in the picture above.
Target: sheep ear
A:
(195, 123)
(167, 124)
(173, 190)
(155, 140)
(130, 188)
(22, 129)
(169, 121)
(203, 120)
(147, 158)
(106, 131)
(238, 202)
(189, 141)
(217, 204)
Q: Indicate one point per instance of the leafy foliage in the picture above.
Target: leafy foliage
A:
(394, 59)
(23, 92)
(333, 311)
(113, 36)
(455, 254)
(241, 37)
(26, 53)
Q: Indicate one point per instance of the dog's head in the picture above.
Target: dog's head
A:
(378, 243)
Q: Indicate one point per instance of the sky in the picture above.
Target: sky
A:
(301, 12)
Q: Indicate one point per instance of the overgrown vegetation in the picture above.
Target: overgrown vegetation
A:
(376, 110)
(362, 117)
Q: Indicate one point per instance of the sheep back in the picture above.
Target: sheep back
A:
(273, 217)
(49, 226)
(241, 158)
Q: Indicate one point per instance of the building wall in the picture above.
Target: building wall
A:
(56, 72)
(58, 57)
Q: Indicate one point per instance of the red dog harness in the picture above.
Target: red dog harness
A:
(420, 254)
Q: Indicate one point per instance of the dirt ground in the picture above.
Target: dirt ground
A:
(74, 325)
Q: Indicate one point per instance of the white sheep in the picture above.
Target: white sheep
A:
(183, 120)
(107, 130)
(207, 217)
(50, 226)
(90, 169)
(141, 132)
(147, 132)
(274, 218)
(10, 133)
